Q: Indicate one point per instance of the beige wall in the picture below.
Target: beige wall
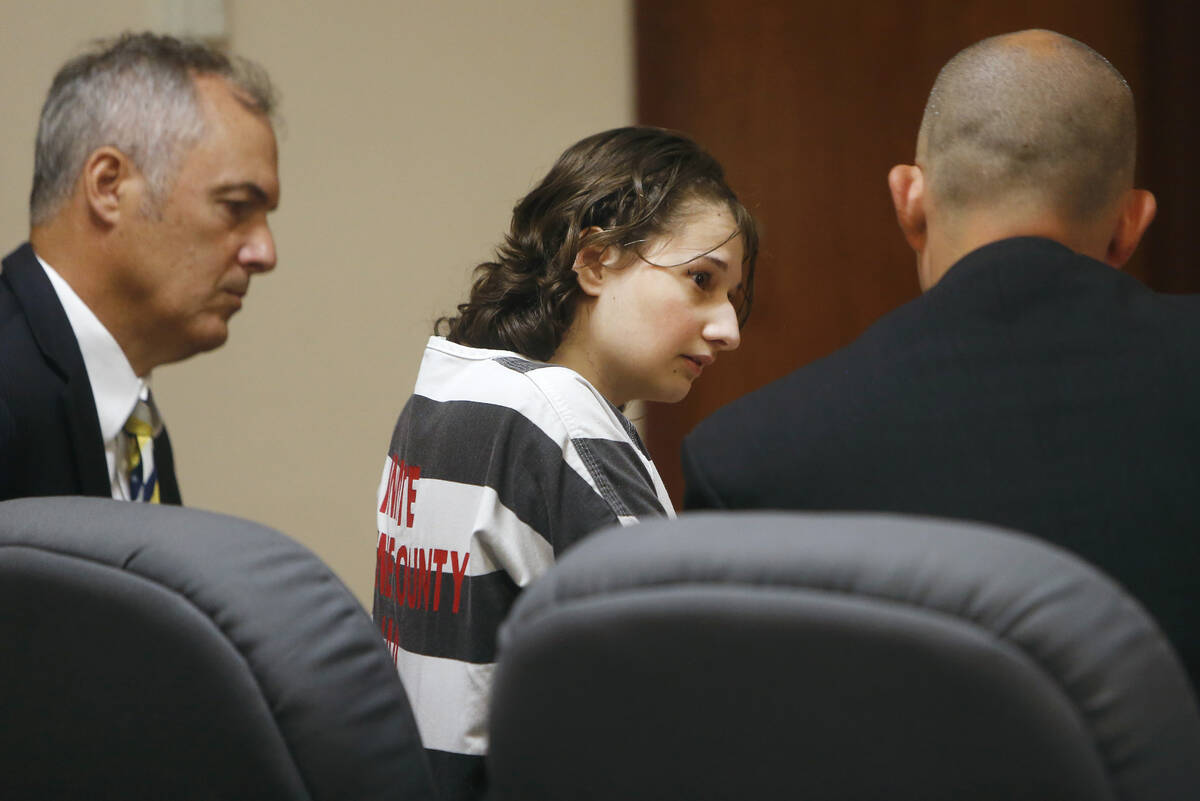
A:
(410, 128)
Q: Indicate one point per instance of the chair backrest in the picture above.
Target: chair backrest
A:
(835, 656)
(154, 652)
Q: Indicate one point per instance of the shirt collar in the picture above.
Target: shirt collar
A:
(116, 389)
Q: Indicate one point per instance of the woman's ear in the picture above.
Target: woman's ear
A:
(592, 263)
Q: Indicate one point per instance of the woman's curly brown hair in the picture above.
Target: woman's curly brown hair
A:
(630, 183)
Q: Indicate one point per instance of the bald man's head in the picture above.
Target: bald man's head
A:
(1031, 120)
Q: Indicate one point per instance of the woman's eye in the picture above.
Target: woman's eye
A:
(700, 278)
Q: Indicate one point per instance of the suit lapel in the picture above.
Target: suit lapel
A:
(56, 340)
(164, 464)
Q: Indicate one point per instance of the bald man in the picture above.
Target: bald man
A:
(1033, 385)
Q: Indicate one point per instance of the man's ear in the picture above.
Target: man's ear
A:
(1137, 212)
(593, 263)
(107, 176)
(907, 182)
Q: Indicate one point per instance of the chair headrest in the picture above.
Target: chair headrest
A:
(274, 628)
(1060, 625)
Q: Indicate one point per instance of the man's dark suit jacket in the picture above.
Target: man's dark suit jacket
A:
(1031, 387)
(50, 441)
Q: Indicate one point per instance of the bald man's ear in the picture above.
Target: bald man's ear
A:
(907, 182)
(1137, 212)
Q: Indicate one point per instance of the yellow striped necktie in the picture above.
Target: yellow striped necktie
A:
(139, 452)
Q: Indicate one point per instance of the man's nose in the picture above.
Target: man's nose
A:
(258, 253)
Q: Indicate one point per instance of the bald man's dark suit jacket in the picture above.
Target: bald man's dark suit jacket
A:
(50, 442)
(1032, 388)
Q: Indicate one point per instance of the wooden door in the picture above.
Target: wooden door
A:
(808, 105)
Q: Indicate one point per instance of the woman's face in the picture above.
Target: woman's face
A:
(653, 320)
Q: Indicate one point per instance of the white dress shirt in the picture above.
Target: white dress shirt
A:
(115, 388)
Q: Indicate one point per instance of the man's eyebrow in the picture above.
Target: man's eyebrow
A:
(259, 194)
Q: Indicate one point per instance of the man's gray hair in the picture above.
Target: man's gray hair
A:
(135, 93)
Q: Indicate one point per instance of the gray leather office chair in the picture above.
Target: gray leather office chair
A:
(835, 656)
(164, 653)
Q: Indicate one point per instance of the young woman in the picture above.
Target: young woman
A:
(626, 271)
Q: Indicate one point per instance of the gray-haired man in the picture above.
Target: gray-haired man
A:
(155, 169)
